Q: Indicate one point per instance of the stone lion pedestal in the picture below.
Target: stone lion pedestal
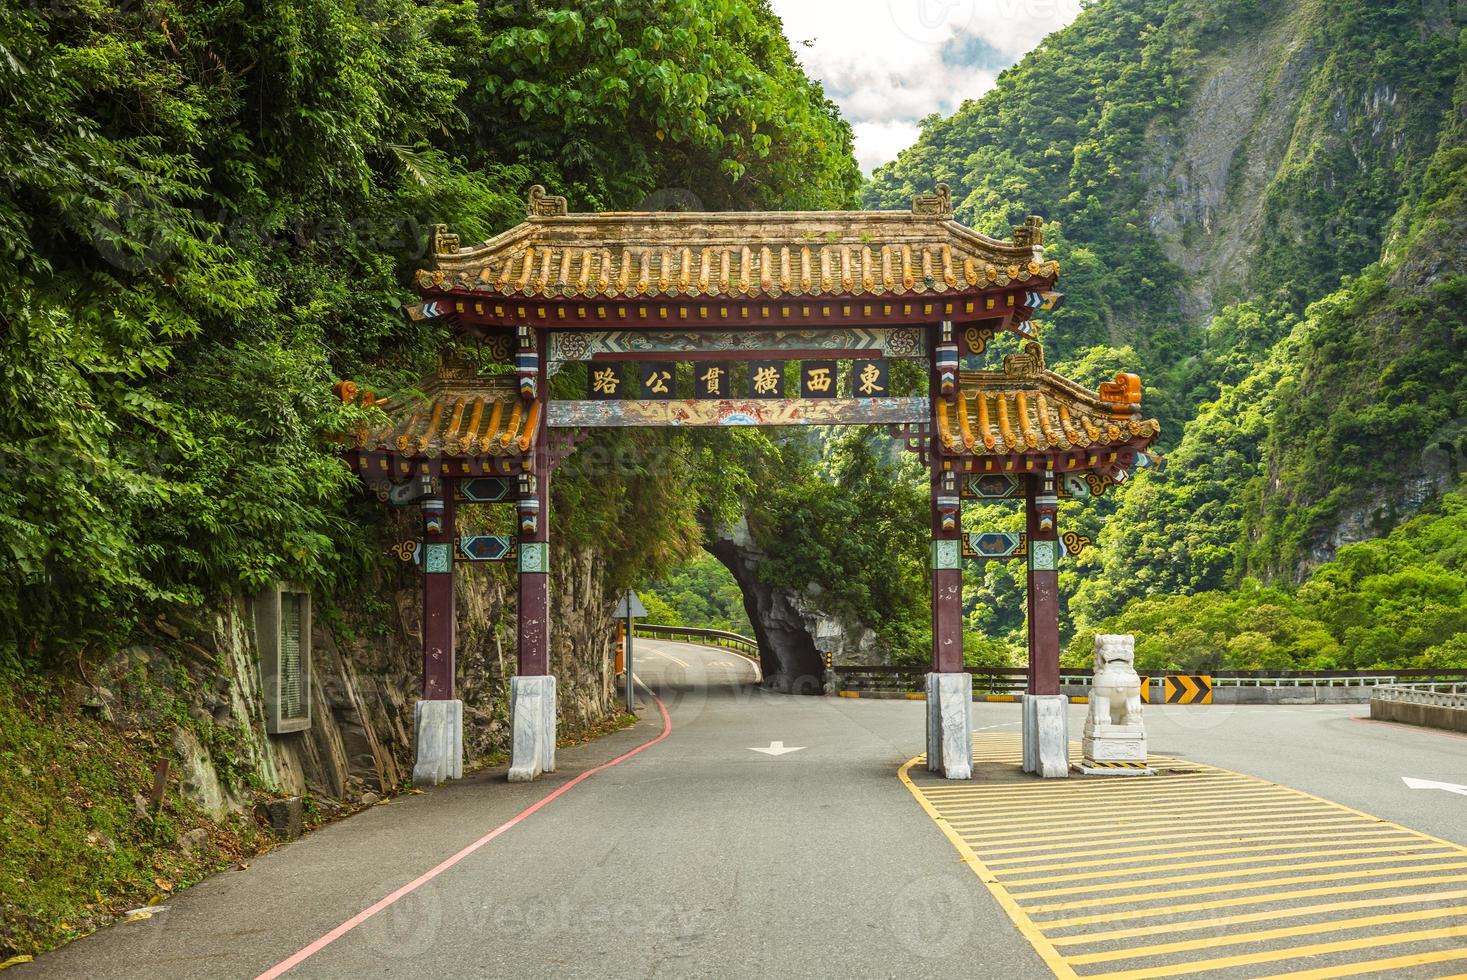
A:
(1115, 736)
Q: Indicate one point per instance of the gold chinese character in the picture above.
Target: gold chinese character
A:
(605, 382)
(712, 380)
(818, 379)
(657, 381)
(870, 374)
(766, 380)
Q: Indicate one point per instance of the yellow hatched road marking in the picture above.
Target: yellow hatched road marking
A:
(1139, 803)
(1291, 953)
(1115, 787)
(1111, 886)
(1208, 838)
(1233, 903)
(1285, 932)
(1279, 812)
(1131, 864)
(1245, 886)
(1376, 966)
(1130, 829)
(1217, 921)
(1211, 825)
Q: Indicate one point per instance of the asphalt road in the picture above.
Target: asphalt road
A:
(699, 857)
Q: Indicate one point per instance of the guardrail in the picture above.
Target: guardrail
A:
(1334, 678)
(910, 679)
(907, 679)
(1455, 695)
(1427, 705)
(691, 634)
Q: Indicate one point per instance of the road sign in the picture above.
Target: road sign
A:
(628, 609)
(637, 611)
(1189, 689)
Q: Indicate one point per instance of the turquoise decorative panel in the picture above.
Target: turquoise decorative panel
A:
(946, 555)
(1044, 555)
(437, 558)
(535, 556)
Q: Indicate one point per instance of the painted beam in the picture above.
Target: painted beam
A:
(792, 411)
(587, 345)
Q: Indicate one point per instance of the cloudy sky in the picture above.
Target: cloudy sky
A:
(889, 63)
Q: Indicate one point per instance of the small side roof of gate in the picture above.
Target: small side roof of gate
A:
(762, 254)
(1026, 409)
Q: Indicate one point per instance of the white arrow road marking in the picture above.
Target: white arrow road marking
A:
(777, 748)
(1432, 784)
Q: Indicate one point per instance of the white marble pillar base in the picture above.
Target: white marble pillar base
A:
(439, 729)
(1047, 735)
(532, 722)
(950, 725)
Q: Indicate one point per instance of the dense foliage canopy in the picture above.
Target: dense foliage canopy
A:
(211, 211)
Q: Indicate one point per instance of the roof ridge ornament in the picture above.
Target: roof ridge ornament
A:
(1030, 234)
(938, 205)
(443, 242)
(543, 205)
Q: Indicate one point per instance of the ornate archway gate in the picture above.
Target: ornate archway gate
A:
(740, 295)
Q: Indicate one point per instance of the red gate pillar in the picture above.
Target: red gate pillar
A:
(949, 689)
(439, 627)
(438, 718)
(947, 572)
(1042, 503)
(534, 568)
(532, 696)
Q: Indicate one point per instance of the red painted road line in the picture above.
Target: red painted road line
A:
(306, 952)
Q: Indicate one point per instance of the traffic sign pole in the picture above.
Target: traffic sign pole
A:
(631, 694)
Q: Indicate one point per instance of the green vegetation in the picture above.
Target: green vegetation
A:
(1395, 601)
(81, 841)
(1322, 388)
(211, 213)
(701, 593)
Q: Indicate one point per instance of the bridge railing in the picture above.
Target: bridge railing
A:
(1441, 695)
(691, 634)
(910, 679)
(1335, 678)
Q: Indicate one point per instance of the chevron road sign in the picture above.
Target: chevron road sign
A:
(1189, 689)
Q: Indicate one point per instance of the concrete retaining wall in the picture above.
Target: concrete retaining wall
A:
(1427, 715)
(1291, 695)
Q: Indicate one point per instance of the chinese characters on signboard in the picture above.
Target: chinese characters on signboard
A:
(658, 380)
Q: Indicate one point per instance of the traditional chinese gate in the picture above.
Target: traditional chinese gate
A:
(739, 295)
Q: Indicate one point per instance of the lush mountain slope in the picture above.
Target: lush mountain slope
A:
(1210, 170)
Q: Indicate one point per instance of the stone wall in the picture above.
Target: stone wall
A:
(198, 676)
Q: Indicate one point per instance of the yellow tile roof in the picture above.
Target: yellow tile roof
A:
(459, 417)
(626, 255)
(1026, 408)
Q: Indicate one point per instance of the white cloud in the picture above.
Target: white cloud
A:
(889, 63)
(878, 142)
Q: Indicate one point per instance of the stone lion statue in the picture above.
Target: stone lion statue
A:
(1115, 697)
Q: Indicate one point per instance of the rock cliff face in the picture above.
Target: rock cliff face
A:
(365, 678)
(793, 637)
